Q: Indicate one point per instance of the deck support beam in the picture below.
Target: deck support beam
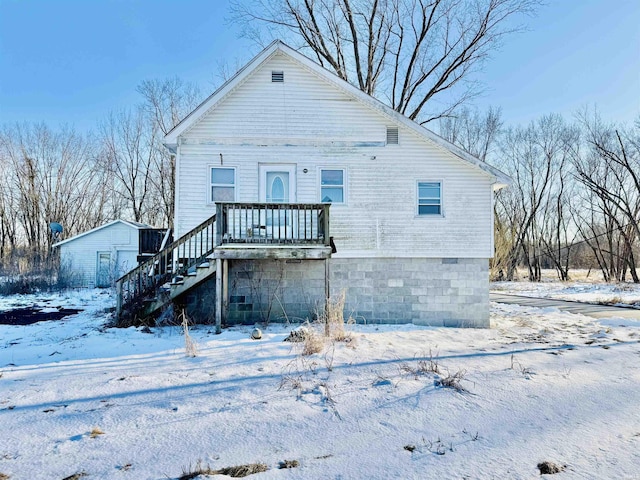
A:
(327, 295)
(218, 295)
(225, 290)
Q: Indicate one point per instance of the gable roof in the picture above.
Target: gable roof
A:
(136, 225)
(277, 46)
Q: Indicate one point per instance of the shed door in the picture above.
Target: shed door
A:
(103, 270)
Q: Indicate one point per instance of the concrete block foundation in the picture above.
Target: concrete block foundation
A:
(423, 291)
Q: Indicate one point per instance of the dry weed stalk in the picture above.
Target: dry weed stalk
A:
(76, 476)
(190, 346)
(333, 318)
(313, 343)
(452, 381)
(424, 367)
(234, 472)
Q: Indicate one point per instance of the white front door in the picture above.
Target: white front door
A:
(278, 186)
(278, 183)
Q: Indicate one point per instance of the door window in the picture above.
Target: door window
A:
(278, 187)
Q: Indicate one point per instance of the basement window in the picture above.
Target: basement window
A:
(277, 76)
(223, 184)
(392, 135)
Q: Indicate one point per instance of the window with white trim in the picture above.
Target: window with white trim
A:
(223, 184)
(332, 185)
(429, 198)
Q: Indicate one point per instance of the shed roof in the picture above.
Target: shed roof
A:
(135, 225)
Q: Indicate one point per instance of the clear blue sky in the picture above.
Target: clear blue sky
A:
(72, 61)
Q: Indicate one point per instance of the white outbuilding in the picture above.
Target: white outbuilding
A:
(98, 257)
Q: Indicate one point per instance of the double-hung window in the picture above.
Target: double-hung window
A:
(332, 185)
(223, 184)
(429, 198)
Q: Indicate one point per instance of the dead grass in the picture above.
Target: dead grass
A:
(313, 343)
(76, 476)
(426, 366)
(95, 432)
(518, 367)
(4, 476)
(238, 471)
(452, 381)
(334, 317)
(292, 383)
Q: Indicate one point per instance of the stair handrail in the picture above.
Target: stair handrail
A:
(153, 273)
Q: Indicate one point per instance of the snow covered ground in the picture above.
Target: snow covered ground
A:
(539, 385)
(587, 287)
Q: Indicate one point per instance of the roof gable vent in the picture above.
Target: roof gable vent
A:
(392, 135)
(277, 77)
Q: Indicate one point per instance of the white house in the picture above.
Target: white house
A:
(96, 258)
(411, 215)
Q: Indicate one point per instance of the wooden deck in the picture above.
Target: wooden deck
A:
(246, 231)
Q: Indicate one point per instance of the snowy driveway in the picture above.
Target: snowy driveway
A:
(589, 309)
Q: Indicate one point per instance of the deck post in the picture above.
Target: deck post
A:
(218, 295)
(118, 299)
(225, 290)
(327, 294)
(327, 238)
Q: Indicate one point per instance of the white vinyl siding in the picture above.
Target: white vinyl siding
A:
(332, 185)
(308, 122)
(429, 198)
(223, 184)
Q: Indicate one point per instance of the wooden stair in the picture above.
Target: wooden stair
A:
(170, 273)
(178, 286)
(248, 231)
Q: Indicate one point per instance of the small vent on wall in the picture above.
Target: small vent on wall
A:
(392, 135)
(277, 77)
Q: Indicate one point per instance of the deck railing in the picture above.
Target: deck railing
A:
(248, 223)
(175, 259)
(273, 223)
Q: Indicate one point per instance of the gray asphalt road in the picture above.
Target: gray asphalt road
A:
(596, 311)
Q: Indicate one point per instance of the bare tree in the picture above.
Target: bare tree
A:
(557, 233)
(610, 172)
(49, 176)
(166, 102)
(128, 155)
(535, 157)
(8, 217)
(419, 56)
(476, 133)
